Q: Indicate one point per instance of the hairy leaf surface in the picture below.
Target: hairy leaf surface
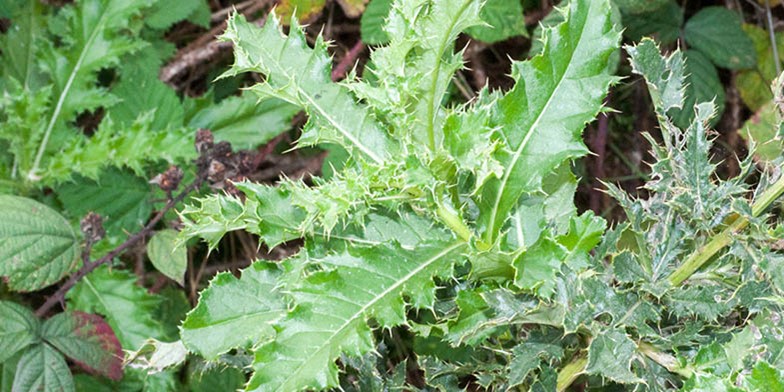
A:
(37, 245)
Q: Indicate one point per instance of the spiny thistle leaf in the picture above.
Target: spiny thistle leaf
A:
(301, 75)
(93, 40)
(556, 94)
(234, 312)
(334, 305)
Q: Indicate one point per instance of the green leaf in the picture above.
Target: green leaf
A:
(20, 45)
(18, 329)
(163, 14)
(244, 121)
(753, 84)
(143, 94)
(529, 355)
(372, 22)
(216, 379)
(122, 199)
(88, 340)
(268, 212)
(708, 383)
(301, 76)
(8, 372)
(610, 355)
(37, 245)
(135, 146)
(504, 19)
(765, 378)
(663, 23)
(664, 75)
(156, 356)
(704, 302)
(702, 85)
(42, 368)
(538, 266)
(640, 6)
(167, 257)
(575, 63)
(334, 304)
(762, 127)
(128, 308)
(92, 39)
(716, 32)
(234, 313)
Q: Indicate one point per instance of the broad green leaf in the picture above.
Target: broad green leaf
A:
(216, 379)
(504, 19)
(128, 308)
(234, 313)
(20, 45)
(372, 22)
(42, 368)
(765, 378)
(753, 84)
(708, 383)
(163, 14)
(716, 32)
(762, 127)
(8, 372)
(537, 267)
(663, 23)
(610, 355)
(244, 121)
(121, 198)
(301, 76)
(18, 329)
(143, 94)
(166, 256)
(86, 339)
(536, 118)
(38, 247)
(640, 6)
(702, 85)
(334, 305)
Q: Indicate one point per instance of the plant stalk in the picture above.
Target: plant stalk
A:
(89, 266)
(570, 372)
(725, 237)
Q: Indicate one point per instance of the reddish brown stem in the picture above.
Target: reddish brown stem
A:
(89, 266)
(341, 69)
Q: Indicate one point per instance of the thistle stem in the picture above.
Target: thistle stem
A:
(570, 372)
(725, 237)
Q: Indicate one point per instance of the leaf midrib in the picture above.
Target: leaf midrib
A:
(431, 110)
(301, 92)
(361, 312)
(66, 89)
(527, 138)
